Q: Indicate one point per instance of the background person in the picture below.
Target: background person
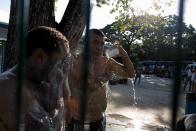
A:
(193, 80)
(101, 70)
(188, 79)
(138, 75)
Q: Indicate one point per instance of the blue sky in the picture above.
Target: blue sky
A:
(101, 17)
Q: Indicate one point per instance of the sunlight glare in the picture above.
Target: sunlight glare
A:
(60, 6)
(140, 4)
(4, 16)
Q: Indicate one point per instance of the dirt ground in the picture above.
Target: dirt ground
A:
(144, 107)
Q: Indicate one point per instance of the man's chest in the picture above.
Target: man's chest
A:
(98, 68)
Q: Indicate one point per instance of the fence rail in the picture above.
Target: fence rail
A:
(2, 50)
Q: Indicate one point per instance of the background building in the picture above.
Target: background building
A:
(3, 37)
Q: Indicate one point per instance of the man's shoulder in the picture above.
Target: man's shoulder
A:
(10, 73)
(7, 85)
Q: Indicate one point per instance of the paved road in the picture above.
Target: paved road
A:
(144, 107)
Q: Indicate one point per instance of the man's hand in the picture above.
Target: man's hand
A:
(122, 52)
(72, 106)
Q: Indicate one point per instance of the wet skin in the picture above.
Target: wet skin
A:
(45, 75)
(101, 70)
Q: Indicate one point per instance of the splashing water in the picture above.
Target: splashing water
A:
(128, 117)
(133, 91)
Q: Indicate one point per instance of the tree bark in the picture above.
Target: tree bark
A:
(73, 22)
(10, 47)
(41, 13)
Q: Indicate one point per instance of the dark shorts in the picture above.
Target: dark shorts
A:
(99, 125)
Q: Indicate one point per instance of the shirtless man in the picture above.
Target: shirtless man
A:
(101, 70)
(46, 68)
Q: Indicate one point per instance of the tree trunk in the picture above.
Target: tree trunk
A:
(10, 47)
(41, 13)
(73, 22)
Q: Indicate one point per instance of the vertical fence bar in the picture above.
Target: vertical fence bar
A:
(21, 28)
(177, 80)
(3, 55)
(85, 63)
(2, 49)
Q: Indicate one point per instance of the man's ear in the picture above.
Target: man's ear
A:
(39, 56)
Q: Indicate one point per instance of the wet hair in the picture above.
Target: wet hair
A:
(46, 38)
(96, 32)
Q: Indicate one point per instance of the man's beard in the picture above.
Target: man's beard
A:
(46, 70)
(50, 89)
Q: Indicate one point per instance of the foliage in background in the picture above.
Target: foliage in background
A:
(142, 35)
(150, 37)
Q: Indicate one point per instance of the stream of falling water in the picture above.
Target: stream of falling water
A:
(134, 96)
(136, 122)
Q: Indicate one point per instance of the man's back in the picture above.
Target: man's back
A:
(7, 100)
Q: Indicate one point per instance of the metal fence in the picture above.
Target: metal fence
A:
(21, 28)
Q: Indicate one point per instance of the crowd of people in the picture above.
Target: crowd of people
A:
(52, 84)
(158, 69)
